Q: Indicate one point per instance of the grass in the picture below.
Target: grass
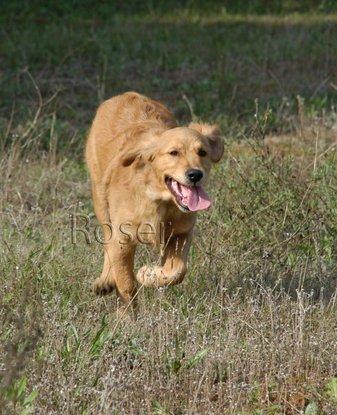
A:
(252, 330)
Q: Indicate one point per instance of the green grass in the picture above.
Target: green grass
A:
(252, 330)
(221, 62)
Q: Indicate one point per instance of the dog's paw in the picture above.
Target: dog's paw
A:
(156, 277)
(102, 287)
(147, 276)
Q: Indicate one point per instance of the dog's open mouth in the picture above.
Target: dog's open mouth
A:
(188, 198)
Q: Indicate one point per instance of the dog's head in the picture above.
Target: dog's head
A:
(179, 160)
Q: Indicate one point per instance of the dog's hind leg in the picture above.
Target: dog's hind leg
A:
(174, 264)
(105, 283)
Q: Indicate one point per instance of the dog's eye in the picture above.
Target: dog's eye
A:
(202, 153)
(174, 153)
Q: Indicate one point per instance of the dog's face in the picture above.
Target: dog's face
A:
(184, 155)
(181, 159)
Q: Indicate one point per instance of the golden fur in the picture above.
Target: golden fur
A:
(128, 156)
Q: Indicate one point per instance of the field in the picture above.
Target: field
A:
(253, 328)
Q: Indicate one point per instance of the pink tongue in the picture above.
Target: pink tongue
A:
(194, 197)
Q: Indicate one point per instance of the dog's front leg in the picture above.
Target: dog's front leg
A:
(118, 271)
(174, 264)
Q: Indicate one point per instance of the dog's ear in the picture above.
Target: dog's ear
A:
(212, 133)
(139, 155)
(130, 157)
(137, 149)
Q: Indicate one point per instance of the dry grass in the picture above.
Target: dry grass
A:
(253, 328)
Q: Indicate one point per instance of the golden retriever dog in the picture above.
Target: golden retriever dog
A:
(147, 177)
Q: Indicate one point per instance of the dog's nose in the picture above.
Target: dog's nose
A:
(194, 175)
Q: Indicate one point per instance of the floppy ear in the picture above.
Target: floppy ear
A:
(135, 149)
(130, 157)
(138, 154)
(129, 152)
(212, 133)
